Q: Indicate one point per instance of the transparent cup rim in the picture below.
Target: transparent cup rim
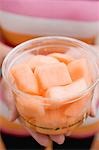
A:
(17, 49)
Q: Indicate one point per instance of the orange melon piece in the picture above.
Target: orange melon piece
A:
(37, 60)
(78, 108)
(52, 119)
(65, 58)
(74, 52)
(68, 92)
(25, 79)
(52, 75)
(79, 68)
(29, 106)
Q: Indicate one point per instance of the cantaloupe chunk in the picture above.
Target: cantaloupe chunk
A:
(30, 106)
(62, 57)
(78, 108)
(79, 68)
(52, 75)
(25, 79)
(65, 93)
(52, 119)
(37, 60)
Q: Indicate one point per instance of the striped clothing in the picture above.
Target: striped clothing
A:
(24, 19)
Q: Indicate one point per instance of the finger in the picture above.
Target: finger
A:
(9, 100)
(95, 101)
(58, 138)
(40, 138)
(13, 114)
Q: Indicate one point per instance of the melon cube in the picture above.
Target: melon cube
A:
(65, 58)
(64, 93)
(30, 106)
(25, 79)
(37, 60)
(79, 69)
(52, 75)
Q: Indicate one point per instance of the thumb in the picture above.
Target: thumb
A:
(9, 100)
(95, 101)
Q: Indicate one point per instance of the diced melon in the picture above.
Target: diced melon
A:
(29, 106)
(79, 69)
(25, 79)
(75, 52)
(62, 57)
(37, 60)
(65, 93)
(52, 119)
(52, 75)
(78, 108)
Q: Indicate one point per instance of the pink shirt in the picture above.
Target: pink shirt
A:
(75, 18)
(84, 10)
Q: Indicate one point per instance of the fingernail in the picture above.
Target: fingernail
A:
(12, 116)
(61, 140)
(94, 111)
(46, 142)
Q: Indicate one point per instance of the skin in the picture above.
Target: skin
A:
(3, 51)
(40, 138)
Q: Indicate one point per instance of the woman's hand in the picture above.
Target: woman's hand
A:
(95, 102)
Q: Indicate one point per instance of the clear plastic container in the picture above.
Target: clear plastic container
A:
(37, 112)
